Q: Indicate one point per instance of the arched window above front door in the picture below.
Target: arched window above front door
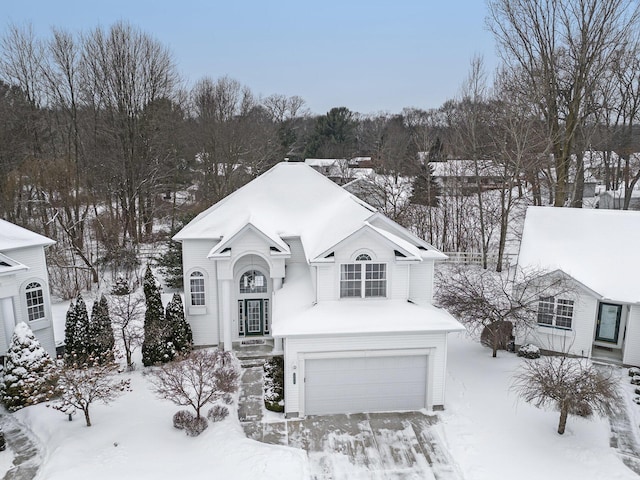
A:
(253, 281)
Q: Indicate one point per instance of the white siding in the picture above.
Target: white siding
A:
(34, 258)
(297, 348)
(327, 282)
(578, 340)
(421, 282)
(203, 321)
(632, 340)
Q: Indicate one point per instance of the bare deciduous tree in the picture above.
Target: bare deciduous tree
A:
(201, 378)
(562, 47)
(127, 312)
(82, 385)
(483, 299)
(570, 385)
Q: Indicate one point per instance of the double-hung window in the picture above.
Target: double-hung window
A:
(363, 279)
(35, 301)
(196, 285)
(555, 312)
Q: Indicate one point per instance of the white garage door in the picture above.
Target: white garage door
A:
(365, 384)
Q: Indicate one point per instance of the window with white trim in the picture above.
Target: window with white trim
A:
(35, 301)
(196, 286)
(355, 284)
(253, 281)
(555, 312)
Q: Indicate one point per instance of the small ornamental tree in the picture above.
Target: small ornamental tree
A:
(181, 335)
(156, 347)
(127, 310)
(92, 381)
(202, 378)
(570, 385)
(30, 374)
(100, 331)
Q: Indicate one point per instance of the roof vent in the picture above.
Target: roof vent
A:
(399, 254)
(332, 254)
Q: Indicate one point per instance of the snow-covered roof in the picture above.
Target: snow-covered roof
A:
(466, 168)
(598, 248)
(12, 236)
(9, 265)
(296, 314)
(290, 200)
(345, 317)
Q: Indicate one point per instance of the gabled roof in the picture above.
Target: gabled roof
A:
(9, 266)
(12, 236)
(598, 248)
(289, 200)
(251, 225)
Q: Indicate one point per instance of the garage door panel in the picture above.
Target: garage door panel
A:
(365, 384)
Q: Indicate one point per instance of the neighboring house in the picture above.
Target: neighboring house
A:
(342, 171)
(614, 199)
(597, 250)
(462, 177)
(293, 260)
(24, 285)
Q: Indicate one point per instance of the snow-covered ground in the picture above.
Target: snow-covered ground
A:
(489, 434)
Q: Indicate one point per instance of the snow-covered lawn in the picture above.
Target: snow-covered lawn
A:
(489, 434)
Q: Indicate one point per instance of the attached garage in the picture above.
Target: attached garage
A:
(371, 383)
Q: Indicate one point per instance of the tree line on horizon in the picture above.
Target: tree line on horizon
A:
(99, 135)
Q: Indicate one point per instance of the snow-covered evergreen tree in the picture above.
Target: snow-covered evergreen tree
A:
(70, 326)
(121, 287)
(82, 342)
(101, 332)
(157, 346)
(181, 335)
(30, 374)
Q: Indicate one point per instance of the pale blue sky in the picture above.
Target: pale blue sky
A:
(369, 56)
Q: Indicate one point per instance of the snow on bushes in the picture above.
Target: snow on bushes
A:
(202, 378)
(181, 418)
(274, 384)
(529, 351)
(217, 413)
(30, 374)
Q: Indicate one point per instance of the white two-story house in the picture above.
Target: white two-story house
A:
(342, 291)
(24, 285)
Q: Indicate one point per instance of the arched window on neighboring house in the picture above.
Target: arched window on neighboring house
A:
(196, 287)
(35, 301)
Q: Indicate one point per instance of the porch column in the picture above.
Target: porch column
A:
(226, 314)
(277, 283)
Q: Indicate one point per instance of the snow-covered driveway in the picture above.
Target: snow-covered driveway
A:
(359, 446)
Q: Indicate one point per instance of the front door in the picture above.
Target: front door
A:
(254, 317)
(608, 322)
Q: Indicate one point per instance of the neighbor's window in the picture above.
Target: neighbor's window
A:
(196, 285)
(555, 312)
(35, 301)
(354, 284)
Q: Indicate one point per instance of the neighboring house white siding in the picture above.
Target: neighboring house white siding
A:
(632, 337)
(297, 349)
(203, 319)
(14, 302)
(575, 341)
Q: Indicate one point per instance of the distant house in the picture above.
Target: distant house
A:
(460, 177)
(295, 261)
(342, 170)
(614, 199)
(24, 285)
(597, 250)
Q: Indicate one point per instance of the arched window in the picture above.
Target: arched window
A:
(253, 281)
(196, 286)
(363, 279)
(35, 301)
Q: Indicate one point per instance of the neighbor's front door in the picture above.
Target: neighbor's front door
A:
(608, 322)
(255, 317)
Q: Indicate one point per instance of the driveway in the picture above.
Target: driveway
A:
(403, 445)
